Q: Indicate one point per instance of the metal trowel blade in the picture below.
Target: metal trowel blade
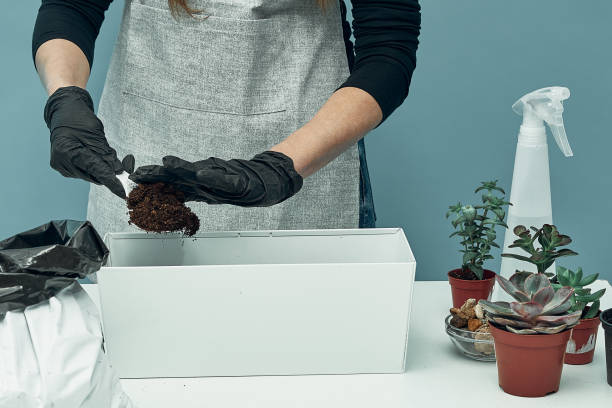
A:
(128, 185)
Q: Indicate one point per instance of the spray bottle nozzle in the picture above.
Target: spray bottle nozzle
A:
(546, 105)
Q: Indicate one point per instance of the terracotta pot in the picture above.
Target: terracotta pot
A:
(606, 320)
(581, 346)
(529, 365)
(463, 290)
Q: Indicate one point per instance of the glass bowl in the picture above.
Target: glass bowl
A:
(481, 349)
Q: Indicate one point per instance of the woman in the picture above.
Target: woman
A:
(232, 79)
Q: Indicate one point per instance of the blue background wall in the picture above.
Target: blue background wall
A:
(456, 128)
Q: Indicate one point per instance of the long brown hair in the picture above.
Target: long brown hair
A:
(178, 6)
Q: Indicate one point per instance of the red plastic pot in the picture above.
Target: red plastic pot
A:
(581, 346)
(529, 365)
(463, 289)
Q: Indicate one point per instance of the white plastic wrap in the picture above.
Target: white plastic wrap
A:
(51, 356)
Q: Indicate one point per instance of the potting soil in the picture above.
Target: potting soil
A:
(161, 207)
(464, 274)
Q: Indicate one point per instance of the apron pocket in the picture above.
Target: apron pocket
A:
(213, 64)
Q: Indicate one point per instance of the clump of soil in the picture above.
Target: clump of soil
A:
(161, 207)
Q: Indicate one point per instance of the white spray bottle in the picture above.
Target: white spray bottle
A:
(530, 193)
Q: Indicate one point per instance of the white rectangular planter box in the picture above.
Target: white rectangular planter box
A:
(257, 303)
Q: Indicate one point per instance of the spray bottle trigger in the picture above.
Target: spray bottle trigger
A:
(558, 132)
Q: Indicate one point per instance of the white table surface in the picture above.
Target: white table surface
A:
(436, 374)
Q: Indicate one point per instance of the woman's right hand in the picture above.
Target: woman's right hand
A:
(79, 148)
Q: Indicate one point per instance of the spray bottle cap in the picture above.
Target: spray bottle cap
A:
(546, 105)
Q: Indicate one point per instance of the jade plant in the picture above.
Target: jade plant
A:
(549, 239)
(475, 225)
(538, 309)
(582, 296)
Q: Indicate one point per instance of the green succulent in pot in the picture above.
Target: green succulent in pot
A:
(549, 239)
(538, 308)
(582, 300)
(475, 225)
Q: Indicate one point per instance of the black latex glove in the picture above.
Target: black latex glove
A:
(78, 146)
(267, 179)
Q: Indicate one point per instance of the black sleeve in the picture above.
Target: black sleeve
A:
(78, 21)
(386, 40)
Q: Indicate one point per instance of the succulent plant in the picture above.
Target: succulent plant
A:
(549, 238)
(476, 226)
(582, 296)
(538, 309)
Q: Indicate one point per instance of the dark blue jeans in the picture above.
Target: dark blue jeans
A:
(367, 214)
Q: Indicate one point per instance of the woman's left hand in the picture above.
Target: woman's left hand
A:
(267, 179)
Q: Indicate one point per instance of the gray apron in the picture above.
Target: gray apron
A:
(230, 85)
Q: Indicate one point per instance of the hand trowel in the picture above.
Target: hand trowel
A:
(128, 164)
(128, 185)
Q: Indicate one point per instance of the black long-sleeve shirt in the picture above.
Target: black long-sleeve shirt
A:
(382, 59)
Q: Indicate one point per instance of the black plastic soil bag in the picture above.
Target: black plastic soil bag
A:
(37, 264)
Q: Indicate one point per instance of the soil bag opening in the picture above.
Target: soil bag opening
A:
(38, 263)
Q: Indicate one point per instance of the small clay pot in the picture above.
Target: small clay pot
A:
(581, 346)
(463, 289)
(606, 322)
(529, 365)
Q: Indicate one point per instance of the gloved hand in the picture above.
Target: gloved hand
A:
(267, 179)
(78, 146)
